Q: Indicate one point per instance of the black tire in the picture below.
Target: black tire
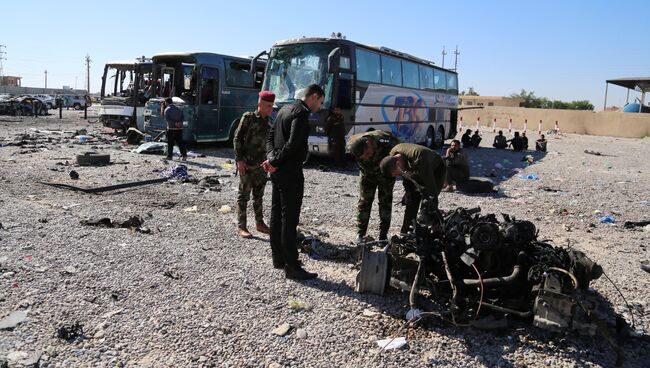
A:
(439, 138)
(93, 158)
(77, 106)
(429, 140)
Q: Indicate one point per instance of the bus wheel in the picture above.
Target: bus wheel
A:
(430, 139)
(439, 138)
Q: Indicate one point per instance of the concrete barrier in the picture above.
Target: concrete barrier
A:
(605, 123)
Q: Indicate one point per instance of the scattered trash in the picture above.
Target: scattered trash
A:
(134, 136)
(71, 332)
(93, 158)
(549, 189)
(195, 154)
(282, 330)
(13, 320)
(225, 209)
(74, 175)
(633, 224)
(176, 172)
(390, 344)
(317, 249)
(172, 274)
(595, 153)
(84, 138)
(518, 170)
(153, 148)
(210, 182)
(607, 219)
(134, 222)
(297, 305)
(370, 314)
(301, 333)
(70, 270)
(190, 209)
(528, 176)
(412, 314)
(529, 159)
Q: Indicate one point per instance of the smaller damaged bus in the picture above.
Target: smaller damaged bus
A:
(125, 90)
(212, 90)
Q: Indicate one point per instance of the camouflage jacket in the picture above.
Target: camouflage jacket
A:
(383, 142)
(421, 163)
(250, 138)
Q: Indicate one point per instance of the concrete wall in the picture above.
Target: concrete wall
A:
(606, 123)
(35, 90)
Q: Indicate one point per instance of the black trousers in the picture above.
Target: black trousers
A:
(175, 137)
(286, 200)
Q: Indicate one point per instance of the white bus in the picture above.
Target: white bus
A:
(370, 87)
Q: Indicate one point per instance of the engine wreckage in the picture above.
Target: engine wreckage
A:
(479, 268)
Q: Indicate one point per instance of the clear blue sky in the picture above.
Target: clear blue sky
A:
(558, 49)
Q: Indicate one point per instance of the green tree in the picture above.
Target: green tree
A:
(530, 100)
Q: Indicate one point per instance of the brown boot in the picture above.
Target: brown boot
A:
(262, 228)
(244, 233)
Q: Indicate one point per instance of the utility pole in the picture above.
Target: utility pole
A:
(456, 53)
(2, 57)
(45, 78)
(88, 73)
(443, 56)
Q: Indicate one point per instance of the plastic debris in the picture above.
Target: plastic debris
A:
(413, 314)
(390, 344)
(282, 330)
(13, 319)
(528, 176)
(176, 172)
(607, 219)
(225, 209)
(191, 209)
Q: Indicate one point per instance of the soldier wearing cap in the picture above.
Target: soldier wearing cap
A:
(369, 149)
(250, 151)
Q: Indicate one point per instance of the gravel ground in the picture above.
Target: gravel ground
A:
(191, 293)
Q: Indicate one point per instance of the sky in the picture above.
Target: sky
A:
(563, 50)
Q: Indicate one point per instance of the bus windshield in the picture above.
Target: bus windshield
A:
(292, 68)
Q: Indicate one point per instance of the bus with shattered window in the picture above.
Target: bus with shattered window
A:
(367, 87)
(125, 90)
(212, 90)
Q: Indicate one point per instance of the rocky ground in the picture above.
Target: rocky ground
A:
(185, 291)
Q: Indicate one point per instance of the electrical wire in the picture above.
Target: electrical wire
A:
(480, 280)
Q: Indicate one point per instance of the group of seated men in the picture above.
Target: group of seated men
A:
(518, 142)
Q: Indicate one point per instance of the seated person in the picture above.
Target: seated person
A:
(516, 142)
(540, 144)
(500, 141)
(457, 166)
(466, 139)
(524, 139)
(476, 139)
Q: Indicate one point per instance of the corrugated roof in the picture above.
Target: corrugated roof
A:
(640, 83)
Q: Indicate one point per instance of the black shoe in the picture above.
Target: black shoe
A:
(278, 264)
(298, 273)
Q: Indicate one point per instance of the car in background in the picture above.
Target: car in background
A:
(75, 101)
(47, 99)
(23, 105)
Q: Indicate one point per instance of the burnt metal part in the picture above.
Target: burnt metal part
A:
(479, 267)
(107, 188)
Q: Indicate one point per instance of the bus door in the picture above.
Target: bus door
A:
(167, 82)
(208, 98)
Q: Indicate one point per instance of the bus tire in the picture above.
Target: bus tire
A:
(429, 141)
(439, 138)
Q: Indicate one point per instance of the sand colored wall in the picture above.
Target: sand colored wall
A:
(608, 123)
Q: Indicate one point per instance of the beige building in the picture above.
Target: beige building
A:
(10, 81)
(466, 100)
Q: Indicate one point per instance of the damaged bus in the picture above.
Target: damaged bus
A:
(367, 87)
(122, 99)
(213, 91)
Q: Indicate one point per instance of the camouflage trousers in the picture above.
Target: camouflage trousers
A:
(253, 181)
(367, 188)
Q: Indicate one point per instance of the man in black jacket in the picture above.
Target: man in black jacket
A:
(286, 150)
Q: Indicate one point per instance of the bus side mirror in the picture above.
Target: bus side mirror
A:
(253, 68)
(345, 91)
(333, 60)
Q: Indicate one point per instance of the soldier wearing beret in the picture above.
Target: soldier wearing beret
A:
(369, 149)
(250, 152)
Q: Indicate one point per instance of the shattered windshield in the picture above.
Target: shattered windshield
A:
(292, 68)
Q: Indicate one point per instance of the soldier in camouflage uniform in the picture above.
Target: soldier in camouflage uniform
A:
(369, 149)
(250, 152)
